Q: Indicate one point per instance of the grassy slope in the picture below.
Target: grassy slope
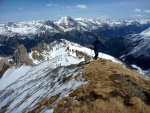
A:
(110, 89)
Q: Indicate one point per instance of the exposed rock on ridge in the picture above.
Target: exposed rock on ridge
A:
(4, 65)
(41, 50)
(21, 56)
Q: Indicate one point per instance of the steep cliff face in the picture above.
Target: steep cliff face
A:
(21, 56)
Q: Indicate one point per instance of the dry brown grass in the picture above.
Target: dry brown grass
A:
(37, 53)
(110, 89)
(48, 102)
(81, 54)
(3, 69)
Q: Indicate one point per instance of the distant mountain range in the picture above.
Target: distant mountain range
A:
(138, 49)
(64, 24)
(133, 49)
(126, 39)
(80, 30)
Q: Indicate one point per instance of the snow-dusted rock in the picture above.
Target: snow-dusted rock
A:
(4, 65)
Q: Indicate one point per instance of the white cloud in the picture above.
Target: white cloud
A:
(147, 11)
(51, 4)
(137, 10)
(81, 6)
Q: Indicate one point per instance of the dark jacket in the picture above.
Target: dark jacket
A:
(97, 44)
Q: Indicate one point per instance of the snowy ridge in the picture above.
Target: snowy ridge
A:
(64, 23)
(143, 72)
(63, 48)
(146, 33)
(23, 86)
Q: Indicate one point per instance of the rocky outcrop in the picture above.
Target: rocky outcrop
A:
(40, 51)
(4, 65)
(21, 56)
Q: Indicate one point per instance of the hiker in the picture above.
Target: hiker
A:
(96, 45)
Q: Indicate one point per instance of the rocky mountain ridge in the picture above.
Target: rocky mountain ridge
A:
(60, 48)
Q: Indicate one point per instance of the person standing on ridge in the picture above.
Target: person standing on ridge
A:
(96, 45)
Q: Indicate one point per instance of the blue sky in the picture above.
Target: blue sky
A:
(28, 10)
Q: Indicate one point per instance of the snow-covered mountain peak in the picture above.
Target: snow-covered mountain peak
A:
(65, 19)
(67, 24)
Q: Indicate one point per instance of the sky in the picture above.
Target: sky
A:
(28, 10)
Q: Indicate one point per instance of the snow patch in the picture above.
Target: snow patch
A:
(146, 33)
(143, 72)
(12, 74)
